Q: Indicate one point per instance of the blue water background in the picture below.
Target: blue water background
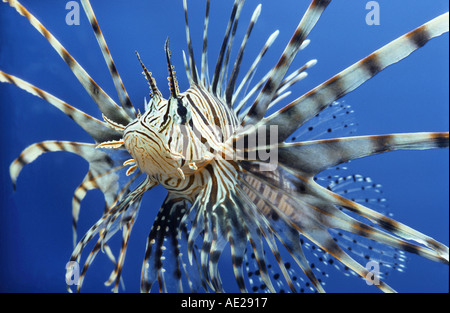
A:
(35, 231)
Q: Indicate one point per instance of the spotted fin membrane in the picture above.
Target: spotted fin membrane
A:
(337, 120)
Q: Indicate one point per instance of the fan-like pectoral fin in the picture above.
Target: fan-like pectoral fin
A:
(433, 249)
(312, 157)
(300, 205)
(310, 104)
(322, 238)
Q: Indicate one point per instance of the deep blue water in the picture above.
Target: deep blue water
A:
(35, 231)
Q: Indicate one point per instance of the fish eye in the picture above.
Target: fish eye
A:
(182, 112)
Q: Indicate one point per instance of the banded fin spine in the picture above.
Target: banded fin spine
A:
(215, 79)
(308, 21)
(312, 157)
(120, 88)
(97, 129)
(307, 106)
(163, 256)
(106, 105)
(193, 72)
(204, 71)
(251, 71)
(237, 65)
(110, 222)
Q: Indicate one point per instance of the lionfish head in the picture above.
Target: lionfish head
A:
(151, 137)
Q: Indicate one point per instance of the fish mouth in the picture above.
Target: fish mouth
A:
(151, 153)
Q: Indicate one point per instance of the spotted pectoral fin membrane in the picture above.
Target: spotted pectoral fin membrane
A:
(337, 120)
(106, 105)
(309, 209)
(268, 199)
(165, 259)
(307, 106)
(362, 190)
(363, 217)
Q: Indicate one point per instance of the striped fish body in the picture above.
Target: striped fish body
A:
(170, 148)
(215, 201)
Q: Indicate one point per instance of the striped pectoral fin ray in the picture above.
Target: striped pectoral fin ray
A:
(107, 182)
(97, 129)
(121, 91)
(310, 104)
(163, 256)
(33, 151)
(109, 223)
(269, 199)
(340, 220)
(103, 101)
(433, 249)
(322, 238)
(321, 210)
(307, 23)
(112, 196)
(312, 223)
(312, 157)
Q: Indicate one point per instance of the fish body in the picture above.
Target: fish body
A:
(331, 69)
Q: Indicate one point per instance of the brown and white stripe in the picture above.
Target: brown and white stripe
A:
(106, 105)
(307, 106)
(121, 91)
(307, 23)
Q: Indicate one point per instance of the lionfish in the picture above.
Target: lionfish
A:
(211, 148)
